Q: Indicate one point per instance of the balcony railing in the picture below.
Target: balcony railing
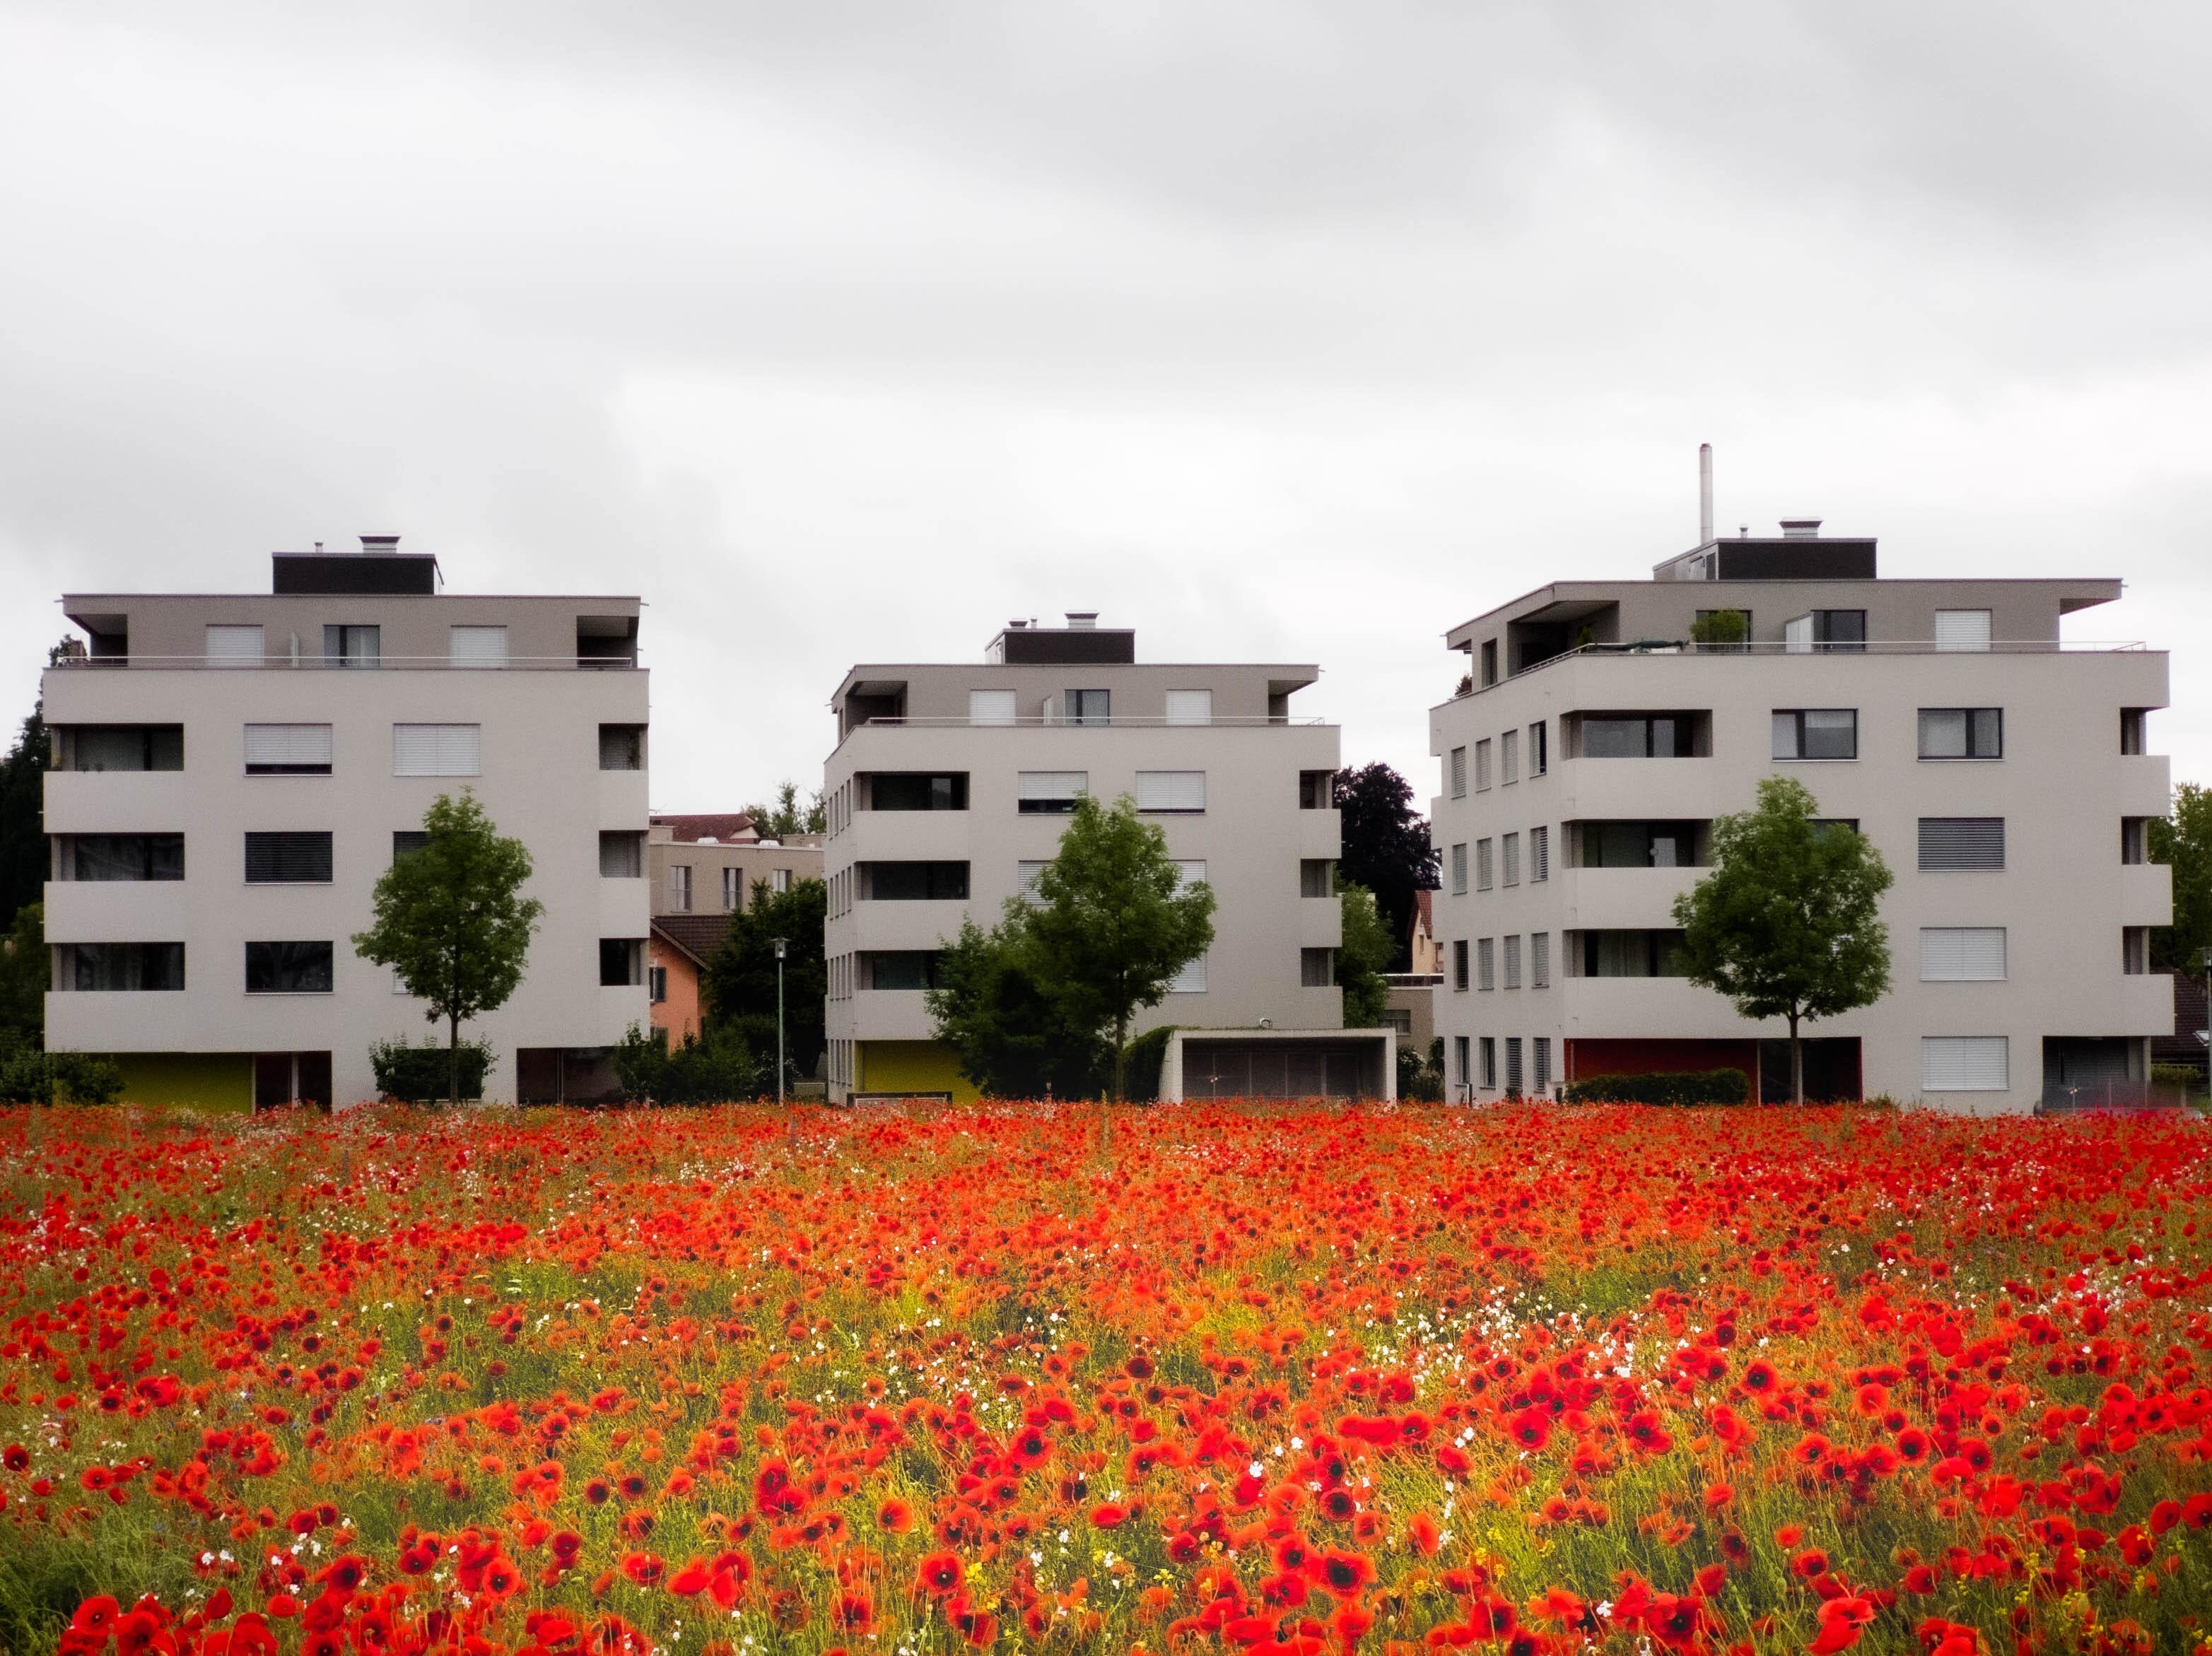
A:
(1920, 647)
(1119, 721)
(320, 663)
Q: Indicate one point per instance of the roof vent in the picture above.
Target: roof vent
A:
(1082, 620)
(379, 542)
(1016, 625)
(1801, 529)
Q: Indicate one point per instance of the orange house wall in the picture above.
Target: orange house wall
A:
(679, 1014)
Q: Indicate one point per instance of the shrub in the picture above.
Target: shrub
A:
(1722, 627)
(28, 1075)
(1662, 1087)
(1148, 1055)
(2177, 1074)
(418, 1075)
(711, 1071)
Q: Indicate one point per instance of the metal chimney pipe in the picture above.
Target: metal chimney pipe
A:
(1705, 492)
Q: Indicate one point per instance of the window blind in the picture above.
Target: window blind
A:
(278, 749)
(1539, 960)
(1190, 707)
(1048, 789)
(1962, 629)
(288, 859)
(1189, 871)
(1191, 980)
(1482, 875)
(1459, 869)
(437, 750)
(1510, 849)
(990, 706)
(1026, 872)
(478, 646)
(1962, 954)
(1458, 772)
(1486, 963)
(234, 647)
(1540, 855)
(1949, 843)
(1171, 791)
(1513, 961)
(1964, 1064)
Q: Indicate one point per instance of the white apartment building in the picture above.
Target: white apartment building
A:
(2000, 770)
(948, 791)
(232, 772)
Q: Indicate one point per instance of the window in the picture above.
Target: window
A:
(120, 747)
(1190, 707)
(1316, 968)
(1639, 845)
(1459, 962)
(1509, 849)
(2135, 839)
(1486, 963)
(1816, 733)
(437, 750)
(2135, 950)
(1489, 662)
(288, 859)
(1512, 953)
(779, 880)
(1459, 869)
(733, 890)
(1316, 790)
(352, 646)
(1088, 708)
(120, 856)
(1639, 736)
(1181, 793)
(93, 967)
(289, 968)
(476, 646)
(1482, 766)
(914, 881)
(1191, 980)
(622, 962)
(1513, 1066)
(918, 791)
(1962, 954)
(1543, 1057)
(1489, 1060)
(901, 968)
(2133, 730)
(1459, 1048)
(1190, 871)
(990, 706)
(1962, 629)
(1539, 960)
(1456, 774)
(656, 984)
(1833, 824)
(1962, 732)
(1826, 632)
(287, 750)
(1964, 1064)
(1736, 647)
(621, 854)
(1482, 868)
(679, 888)
(406, 839)
(235, 647)
(1539, 753)
(622, 746)
(1953, 843)
(1631, 952)
(1050, 794)
(1314, 879)
(1026, 874)
(1540, 855)
(1508, 756)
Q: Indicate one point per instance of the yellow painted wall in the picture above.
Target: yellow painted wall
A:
(912, 1066)
(202, 1081)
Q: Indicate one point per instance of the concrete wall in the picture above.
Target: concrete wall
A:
(707, 858)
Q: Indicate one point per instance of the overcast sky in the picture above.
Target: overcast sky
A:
(1280, 331)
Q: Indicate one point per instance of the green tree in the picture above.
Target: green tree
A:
(787, 816)
(1385, 848)
(739, 983)
(23, 976)
(22, 805)
(1005, 1014)
(1789, 922)
(2183, 840)
(1362, 958)
(452, 920)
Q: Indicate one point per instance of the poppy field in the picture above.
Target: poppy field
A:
(1176, 1380)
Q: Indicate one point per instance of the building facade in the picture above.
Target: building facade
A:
(2001, 772)
(705, 870)
(950, 787)
(232, 772)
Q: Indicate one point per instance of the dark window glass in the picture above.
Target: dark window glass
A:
(1639, 736)
(902, 969)
(406, 839)
(1639, 845)
(1316, 790)
(622, 962)
(110, 966)
(918, 791)
(915, 881)
(1816, 733)
(1949, 843)
(292, 858)
(126, 747)
(1839, 631)
(622, 746)
(352, 646)
(1962, 732)
(1090, 707)
(1459, 962)
(1633, 954)
(127, 857)
(289, 968)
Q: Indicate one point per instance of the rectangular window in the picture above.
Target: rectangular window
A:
(476, 646)
(1459, 962)
(1962, 629)
(622, 962)
(622, 746)
(1482, 766)
(1459, 869)
(1314, 879)
(1951, 843)
(1486, 963)
(1190, 707)
(679, 889)
(1050, 794)
(406, 839)
(1191, 980)
(1539, 753)
(1964, 1064)
(1962, 954)
(621, 854)
(1460, 1047)
(1725, 646)
(1489, 1049)
(1962, 732)
(991, 708)
(1189, 871)
(1176, 794)
(1539, 960)
(914, 881)
(918, 791)
(1316, 968)
(1816, 733)
(901, 968)
(352, 646)
(1482, 866)
(1824, 632)
(1489, 662)
(2135, 950)
(779, 880)
(2135, 839)
(1639, 736)
(288, 859)
(287, 750)
(289, 968)
(1512, 952)
(122, 966)
(1540, 855)
(1456, 774)
(1026, 874)
(438, 749)
(120, 747)
(1088, 708)
(2134, 729)
(656, 984)
(1513, 1066)
(733, 890)
(1508, 756)
(1543, 1057)
(235, 647)
(1509, 849)
(1629, 952)
(121, 856)
(1316, 790)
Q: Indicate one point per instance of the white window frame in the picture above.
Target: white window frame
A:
(1459, 869)
(1456, 774)
(1509, 758)
(1482, 766)
(1189, 871)
(1190, 708)
(1486, 963)
(1539, 960)
(1171, 793)
(1962, 631)
(733, 888)
(1026, 872)
(1191, 980)
(1962, 1064)
(1483, 867)
(679, 888)
(1051, 785)
(991, 708)
(290, 744)
(1509, 856)
(1963, 953)
(437, 750)
(239, 644)
(1540, 854)
(475, 646)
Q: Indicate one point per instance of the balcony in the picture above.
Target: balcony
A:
(2146, 893)
(315, 662)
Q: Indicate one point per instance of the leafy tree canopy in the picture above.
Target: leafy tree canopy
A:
(739, 983)
(787, 816)
(2183, 839)
(1386, 848)
(1362, 958)
(22, 820)
(23, 979)
(1787, 923)
(997, 1005)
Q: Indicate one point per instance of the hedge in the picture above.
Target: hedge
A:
(1662, 1087)
(420, 1075)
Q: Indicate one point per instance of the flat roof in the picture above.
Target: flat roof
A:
(1304, 672)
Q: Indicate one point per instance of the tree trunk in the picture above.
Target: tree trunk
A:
(452, 1060)
(1121, 1054)
(1796, 1064)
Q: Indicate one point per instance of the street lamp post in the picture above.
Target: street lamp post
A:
(781, 943)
